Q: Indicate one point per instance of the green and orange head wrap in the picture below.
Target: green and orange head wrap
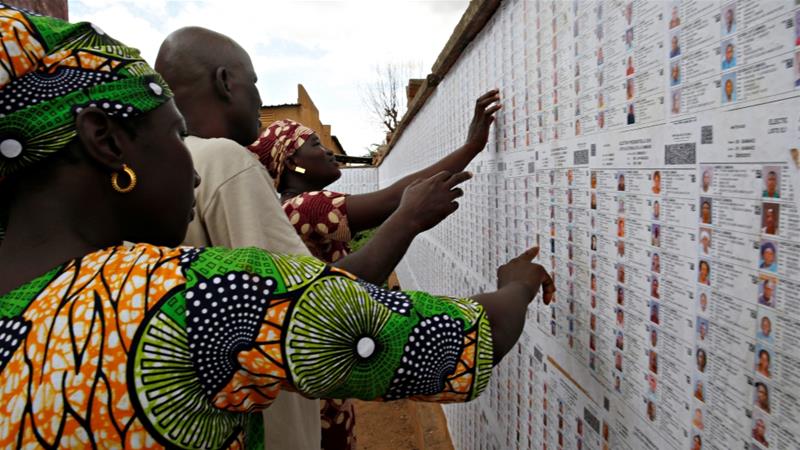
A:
(277, 143)
(50, 70)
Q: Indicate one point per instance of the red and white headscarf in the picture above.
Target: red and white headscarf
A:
(278, 142)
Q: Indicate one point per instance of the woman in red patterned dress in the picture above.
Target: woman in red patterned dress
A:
(326, 221)
(302, 168)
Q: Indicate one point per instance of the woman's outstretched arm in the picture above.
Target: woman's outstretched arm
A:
(291, 322)
(370, 210)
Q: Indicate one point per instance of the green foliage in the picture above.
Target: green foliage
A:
(361, 238)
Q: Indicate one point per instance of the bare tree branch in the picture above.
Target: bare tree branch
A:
(385, 97)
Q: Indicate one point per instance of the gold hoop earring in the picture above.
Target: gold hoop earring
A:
(299, 169)
(115, 180)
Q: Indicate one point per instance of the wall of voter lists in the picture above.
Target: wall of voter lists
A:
(650, 149)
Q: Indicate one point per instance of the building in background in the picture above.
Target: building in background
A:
(305, 112)
(54, 8)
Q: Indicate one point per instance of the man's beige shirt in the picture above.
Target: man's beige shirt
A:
(237, 206)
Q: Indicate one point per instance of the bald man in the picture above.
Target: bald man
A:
(214, 83)
(215, 89)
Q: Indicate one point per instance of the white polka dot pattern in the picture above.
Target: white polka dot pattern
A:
(189, 255)
(396, 301)
(365, 347)
(38, 87)
(112, 108)
(430, 355)
(10, 148)
(223, 316)
(12, 333)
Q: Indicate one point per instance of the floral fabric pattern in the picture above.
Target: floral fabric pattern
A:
(279, 141)
(320, 219)
(152, 347)
(50, 70)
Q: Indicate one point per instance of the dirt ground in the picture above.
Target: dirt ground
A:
(401, 425)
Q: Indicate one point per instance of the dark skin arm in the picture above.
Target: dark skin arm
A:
(365, 211)
(424, 204)
(518, 282)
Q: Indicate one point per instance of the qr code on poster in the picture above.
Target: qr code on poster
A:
(677, 154)
(707, 134)
(580, 157)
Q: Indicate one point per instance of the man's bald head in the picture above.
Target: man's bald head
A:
(214, 83)
(189, 55)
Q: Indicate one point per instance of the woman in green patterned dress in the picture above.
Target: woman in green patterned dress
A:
(107, 344)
